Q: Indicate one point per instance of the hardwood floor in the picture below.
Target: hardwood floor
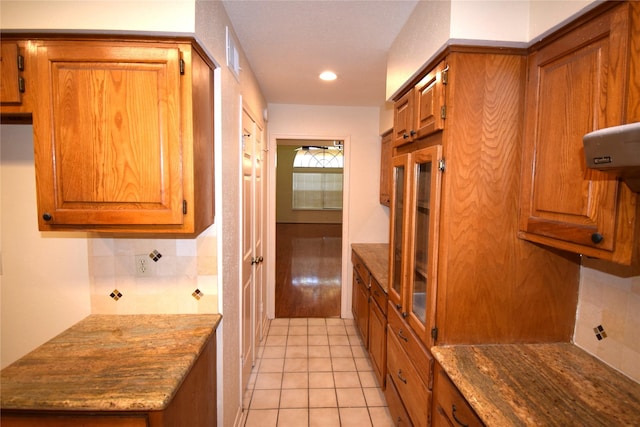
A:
(308, 270)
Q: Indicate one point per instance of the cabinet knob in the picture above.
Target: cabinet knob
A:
(413, 133)
(405, 136)
(398, 306)
(47, 216)
(405, 314)
(597, 238)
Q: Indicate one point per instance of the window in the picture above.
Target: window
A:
(317, 178)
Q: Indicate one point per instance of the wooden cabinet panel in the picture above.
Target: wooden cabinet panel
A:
(449, 405)
(378, 342)
(10, 92)
(398, 236)
(379, 296)
(411, 345)
(75, 421)
(113, 155)
(414, 238)
(397, 410)
(403, 131)
(385, 168)
(430, 103)
(361, 306)
(576, 85)
(17, 82)
(123, 137)
(411, 389)
(421, 111)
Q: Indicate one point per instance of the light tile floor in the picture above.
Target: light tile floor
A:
(314, 373)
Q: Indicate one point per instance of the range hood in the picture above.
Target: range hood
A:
(616, 149)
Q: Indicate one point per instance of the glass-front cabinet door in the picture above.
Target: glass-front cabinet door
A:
(397, 238)
(423, 207)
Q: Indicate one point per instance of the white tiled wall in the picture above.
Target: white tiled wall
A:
(613, 302)
(185, 278)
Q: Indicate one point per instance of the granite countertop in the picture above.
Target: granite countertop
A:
(109, 362)
(540, 384)
(376, 257)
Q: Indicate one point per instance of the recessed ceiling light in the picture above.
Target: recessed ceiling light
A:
(328, 75)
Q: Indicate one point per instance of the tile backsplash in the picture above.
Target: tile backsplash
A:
(180, 275)
(608, 318)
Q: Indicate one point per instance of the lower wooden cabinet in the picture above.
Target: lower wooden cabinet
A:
(378, 340)
(449, 406)
(369, 307)
(394, 402)
(360, 306)
(413, 392)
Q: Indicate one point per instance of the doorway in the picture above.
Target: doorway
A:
(308, 238)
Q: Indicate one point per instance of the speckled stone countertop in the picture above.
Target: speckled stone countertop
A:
(376, 257)
(540, 385)
(109, 362)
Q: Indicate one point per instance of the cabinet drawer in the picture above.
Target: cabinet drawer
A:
(379, 295)
(396, 408)
(359, 266)
(409, 342)
(66, 420)
(451, 404)
(412, 390)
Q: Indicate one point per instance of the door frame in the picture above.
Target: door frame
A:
(270, 206)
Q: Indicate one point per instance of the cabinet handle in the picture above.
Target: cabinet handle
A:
(597, 238)
(453, 412)
(404, 380)
(402, 336)
(47, 216)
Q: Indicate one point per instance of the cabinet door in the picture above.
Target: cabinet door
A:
(385, 168)
(361, 306)
(403, 122)
(10, 86)
(397, 242)
(378, 342)
(429, 102)
(108, 134)
(422, 262)
(576, 85)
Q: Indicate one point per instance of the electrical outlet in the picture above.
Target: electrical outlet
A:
(145, 266)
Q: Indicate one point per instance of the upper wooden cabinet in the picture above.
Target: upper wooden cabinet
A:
(421, 111)
(11, 66)
(385, 170)
(16, 80)
(123, 136)
(579, 81)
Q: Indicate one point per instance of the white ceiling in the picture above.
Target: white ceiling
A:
(288, 43)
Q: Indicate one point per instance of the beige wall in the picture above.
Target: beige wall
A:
(434, 23)
(45, 277)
